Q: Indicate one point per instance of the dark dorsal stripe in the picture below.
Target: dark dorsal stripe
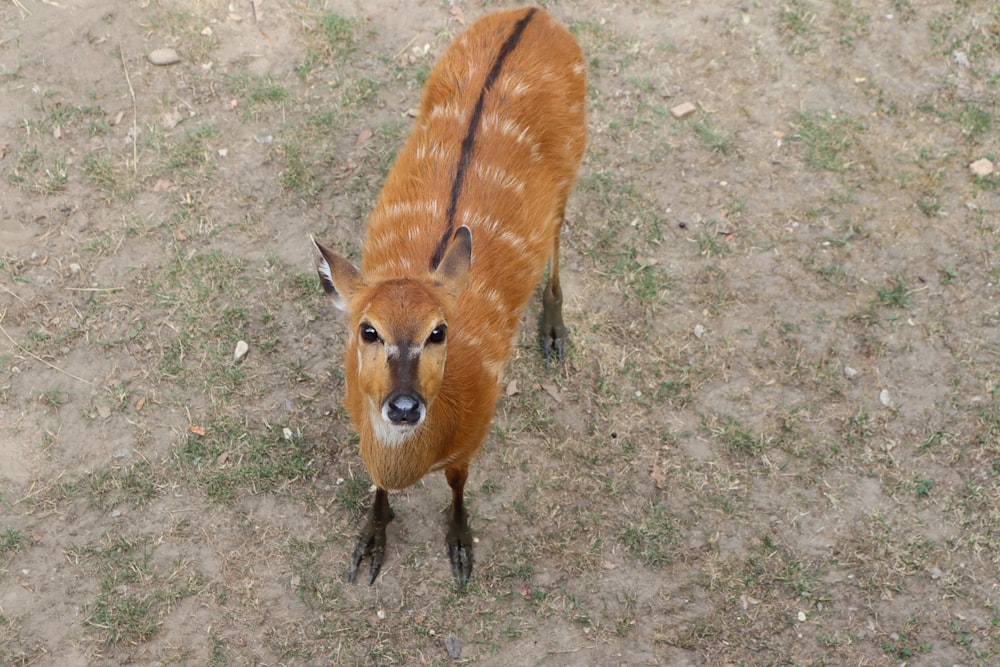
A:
(470, 135)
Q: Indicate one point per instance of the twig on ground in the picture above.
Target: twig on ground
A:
(35, 356)
(135, 113)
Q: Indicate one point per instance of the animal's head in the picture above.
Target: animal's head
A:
(397, 334)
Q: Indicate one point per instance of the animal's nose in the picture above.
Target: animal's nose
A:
(404, 409)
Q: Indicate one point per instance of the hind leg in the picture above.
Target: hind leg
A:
(553, 332)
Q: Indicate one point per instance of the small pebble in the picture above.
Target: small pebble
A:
(850, 373)
(936, 573)
(699, 331)
(241, 351)
(684, 109)
(884, 398)
(981, 168)
(287, 433)
(454, 648)
(164, 57)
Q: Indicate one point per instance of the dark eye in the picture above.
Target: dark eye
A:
(368, 333)
(438, 335)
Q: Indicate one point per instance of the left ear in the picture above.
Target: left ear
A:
(339, 277)
(453, 271)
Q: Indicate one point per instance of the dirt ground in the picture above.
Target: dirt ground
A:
(776, 439)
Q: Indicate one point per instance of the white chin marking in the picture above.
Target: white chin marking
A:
(389, 434)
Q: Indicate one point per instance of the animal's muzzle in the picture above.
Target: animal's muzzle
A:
(404, 409)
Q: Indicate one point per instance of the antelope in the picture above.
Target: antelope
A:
(467, 220)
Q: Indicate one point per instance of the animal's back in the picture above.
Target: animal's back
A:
(496, 147)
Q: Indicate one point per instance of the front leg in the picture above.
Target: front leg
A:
(459, 536)
(372, 539)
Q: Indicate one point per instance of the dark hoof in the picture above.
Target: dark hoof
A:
(371, 542)
(461, 563)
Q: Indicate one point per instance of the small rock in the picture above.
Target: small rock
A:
(699, 331)
(884, 398)
(241, 351)
(935, 572)
(163, 57)
(683, 109)
(287, 433)
(454, 648)
(850, 373)
(802, 617)
(982, 167)
(74, 268)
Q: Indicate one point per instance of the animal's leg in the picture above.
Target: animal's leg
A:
(459, 535)
(371, 542)
(553, 331)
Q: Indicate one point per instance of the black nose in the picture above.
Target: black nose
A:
(403, 409)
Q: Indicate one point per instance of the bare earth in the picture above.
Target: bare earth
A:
(776, 440)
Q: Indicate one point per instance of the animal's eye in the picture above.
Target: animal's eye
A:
(438, 335)
(368, 333)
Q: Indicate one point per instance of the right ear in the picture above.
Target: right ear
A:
(338, 276)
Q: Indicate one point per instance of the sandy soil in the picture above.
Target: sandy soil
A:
(776, 439)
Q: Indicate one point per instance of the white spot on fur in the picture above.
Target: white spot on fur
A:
(514, 86)
(432, 152)
(506, 126)
(499, 176)
(510, 238)
(448, 111)
(475, 221)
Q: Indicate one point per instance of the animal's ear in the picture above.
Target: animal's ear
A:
(338, 276)
(453, 271)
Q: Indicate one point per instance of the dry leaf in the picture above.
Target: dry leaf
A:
(458, 14)
(222, 458)
(163, 185)
(363, 136)
(4, 149)
(512, 388)
(552, 391)
(140, 404)
(197, 430)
